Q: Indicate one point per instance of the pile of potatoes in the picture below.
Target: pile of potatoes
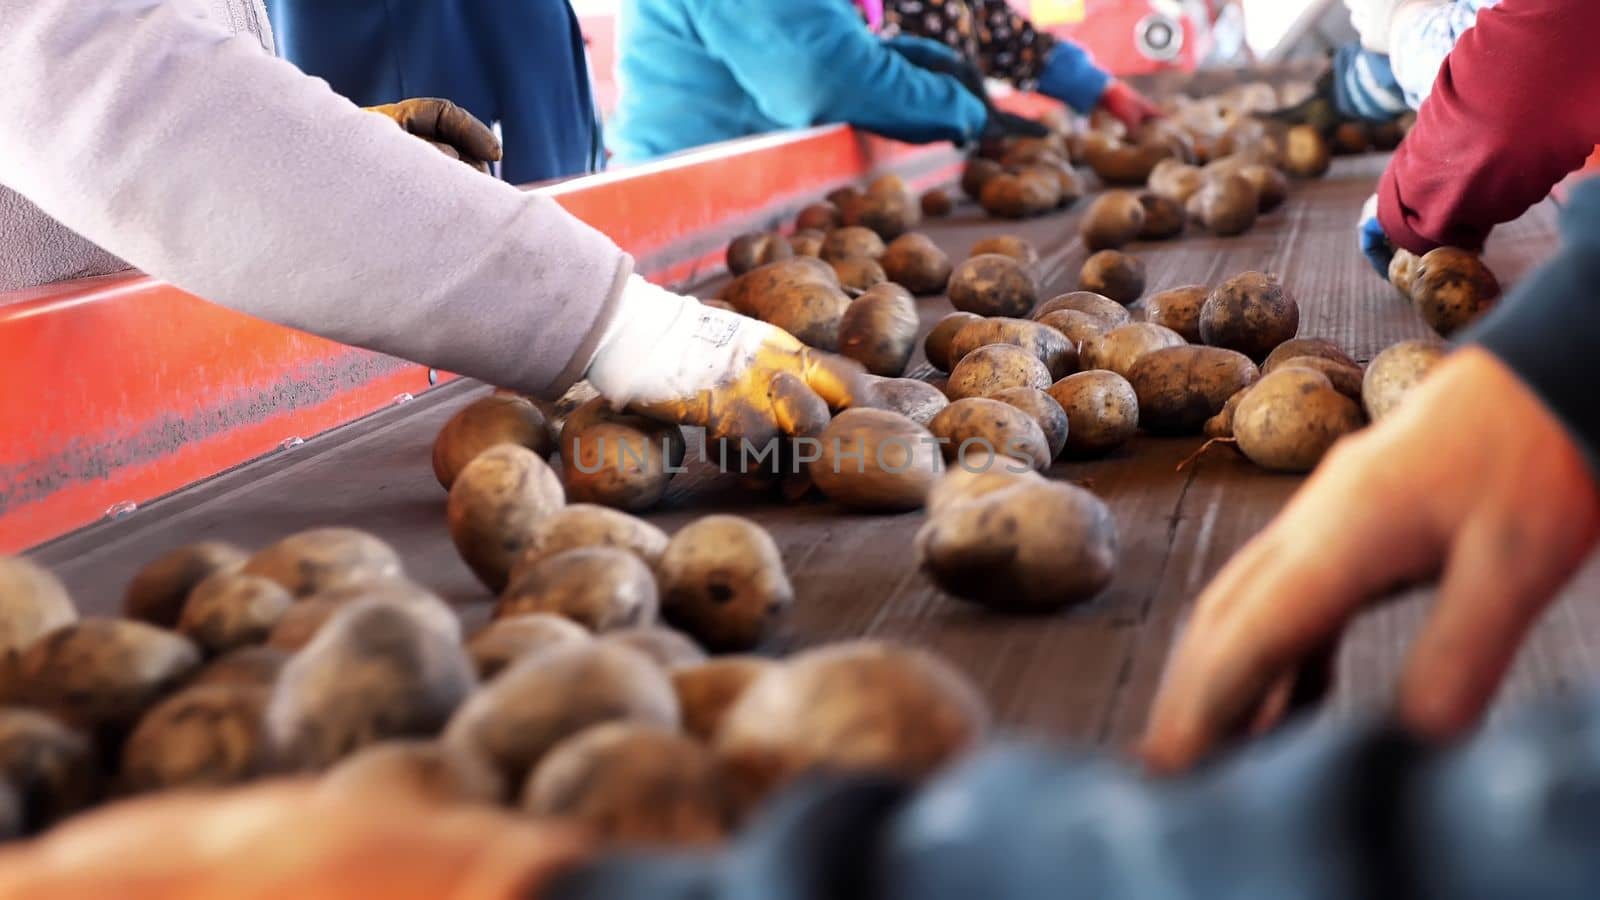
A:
(573, 701)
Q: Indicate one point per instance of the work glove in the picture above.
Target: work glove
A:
(673, 359)
(1374, 243)
(936, 57)
(452, 130)
(1357, 85)
(1128, 105)
(1372, 19)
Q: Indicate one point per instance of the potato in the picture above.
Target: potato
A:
(379, 670)
(1178, 309)
(52, 768)
(100, 675)
(1076, 326)
(1297, 347)
(747, 251)
(977, 174)
(1175, 180)
(1252, 313)
(860, 706)
(1102, 411)
(1010, 245)
(857, 274)
(852, 242)
(1163, 217)
(514, 720)
(917, 400)
(757, 292)
(1020, 196)
(258, 665)
(308, 561)
(874, 459)
(33, 603)
(936, 346)
(843, 195)
(1345, 379)
(1401, 268)
(1115, 218)
(632, 784)
(722, 579)
(1451, 288)
(1031, 548)
(616, 465)
(301, 622)
(1046, 344)
(600, 588)
(936, 203)
(1226, 204)
(916, 263)
(1119, 348)
(1109, 312)
(1125, 164)
(812, 310)
(231, 609)
(506, 640)
(1272, 188)
(425, 773)
(1290, 419)
(1179, 388)
(1306, 154)
(974, 430)
(806, 242)
(1052, 420)
(663, 646)
(992, 285)
(707, 690)
(1069, 187)
(823, 216)
(502, 494)
(1221, 425)
(157, 593)
(1395, 371)
(1113, 274)
(993, 368)
(588, 525)
(887, 208)
(206, 736)
(879, 330)
(1386, 135)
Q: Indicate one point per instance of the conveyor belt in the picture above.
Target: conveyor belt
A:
(1088, 674)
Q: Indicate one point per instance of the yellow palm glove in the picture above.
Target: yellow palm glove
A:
(455, 132)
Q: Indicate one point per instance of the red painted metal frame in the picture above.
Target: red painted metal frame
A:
(118, 390)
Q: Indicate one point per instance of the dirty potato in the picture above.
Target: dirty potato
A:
(100, 675)
(1175, 180)
(1290, 418)
(858, 273)
(852, 242)
(230, 610)
(206, 736)
(1109, 312)
(821, 216)
(600, 588)
(1226, 204)
(1306, 153)
(309, 561)
(301, 621)
(979, 432)
(879, 329)
(1163, 217)
(1118, 349)
(1178, 309)
(1113, 274)
(257, 665)
(936, 203)
(707, 690)
(424, 773)
(993, 368)
(1345, 379)
(977, 173)
(666, 647)
(1395, 371)
(1252, 313)
(806, 242)
(1115, 218)
(1019, 249)
(917, 400)
(936, 346)
(495, 419)
(748, 251)
(157, 593)
(506, 640)
(874, 459)
(589, 525)
(498, 499)
(1401, 268)
(1298, 347)
(992, 285)
(1045, 411)
(1102, 411)
(52, 767)
(723, 581)
(1272, 188)
(1451, 288)
(1049, 346)
(916, 263)
(1179, 388)
(33, 602)
(1076, 326)
(1020, 196)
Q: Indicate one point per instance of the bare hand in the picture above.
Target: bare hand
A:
(1472, 479)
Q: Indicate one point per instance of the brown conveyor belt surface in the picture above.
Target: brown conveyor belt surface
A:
(1088, 673)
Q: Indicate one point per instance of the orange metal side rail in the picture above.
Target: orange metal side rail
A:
(121, 389)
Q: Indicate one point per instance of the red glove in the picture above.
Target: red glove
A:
(1128, 105)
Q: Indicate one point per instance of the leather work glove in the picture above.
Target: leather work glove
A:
(671, 358)
(1374, 243)
(937, 57)
(452, 130)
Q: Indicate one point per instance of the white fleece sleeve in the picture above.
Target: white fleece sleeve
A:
(151, 131)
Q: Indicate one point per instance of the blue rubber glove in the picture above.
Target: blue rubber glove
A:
(1375, 244)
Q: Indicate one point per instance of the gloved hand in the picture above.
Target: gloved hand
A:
(936, 57)
(674, 359)
(1375, 244)
(1372, 19)
(455, 132)
(1128, 105)
(1358, 84)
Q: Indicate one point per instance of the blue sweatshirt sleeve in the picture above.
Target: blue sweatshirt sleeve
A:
(1069, 75)
(1320, 812)
(811, 62)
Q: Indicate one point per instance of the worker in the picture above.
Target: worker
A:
(520, 65)
(1481, 153)
(1414, 35)
(694, 72)
(152, 132)
(1007, 46)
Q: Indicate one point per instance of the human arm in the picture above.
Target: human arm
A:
(1421, 35)
(1511, 114)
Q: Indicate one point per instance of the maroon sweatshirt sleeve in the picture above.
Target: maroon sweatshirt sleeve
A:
(1515, 108)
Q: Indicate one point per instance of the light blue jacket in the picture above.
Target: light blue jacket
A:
(694, 72)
